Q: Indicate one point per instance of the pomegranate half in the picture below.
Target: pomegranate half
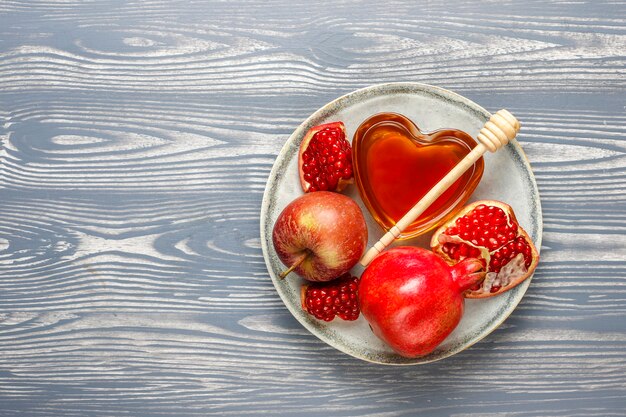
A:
(488, 230)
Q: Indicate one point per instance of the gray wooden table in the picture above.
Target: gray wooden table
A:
(136, 138)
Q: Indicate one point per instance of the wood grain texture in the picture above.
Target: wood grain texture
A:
(135, 141)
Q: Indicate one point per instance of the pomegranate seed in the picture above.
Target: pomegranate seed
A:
(495, 265)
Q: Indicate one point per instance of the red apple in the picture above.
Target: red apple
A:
(320, 235)
(413, 300)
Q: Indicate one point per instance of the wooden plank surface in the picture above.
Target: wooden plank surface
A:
(135, 141)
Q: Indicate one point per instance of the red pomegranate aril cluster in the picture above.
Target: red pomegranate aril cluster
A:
(485, 226)
(327, 159)
(460, 251)
(335, 298)
(503, 255)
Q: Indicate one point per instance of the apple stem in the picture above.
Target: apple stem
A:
(294, 266)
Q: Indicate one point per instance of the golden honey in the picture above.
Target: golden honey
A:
(396, 165)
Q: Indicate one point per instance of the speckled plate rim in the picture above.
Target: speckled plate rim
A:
(292, 144)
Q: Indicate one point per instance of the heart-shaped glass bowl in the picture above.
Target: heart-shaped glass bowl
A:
(396, 164)
(507, 177)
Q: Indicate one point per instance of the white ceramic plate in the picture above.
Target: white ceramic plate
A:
(507, 177)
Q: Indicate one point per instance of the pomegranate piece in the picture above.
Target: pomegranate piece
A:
(488, 230)
(325, 159)
(339, 297)
(413, 300)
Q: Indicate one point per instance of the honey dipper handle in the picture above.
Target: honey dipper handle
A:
(497, 132)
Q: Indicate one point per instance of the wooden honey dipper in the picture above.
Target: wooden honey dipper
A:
(496, 133)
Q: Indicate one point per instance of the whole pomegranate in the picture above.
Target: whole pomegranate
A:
(488, 230)
(325, 159)
(413, 300)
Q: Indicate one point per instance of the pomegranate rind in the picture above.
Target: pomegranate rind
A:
(303, 289)
(342, 183)
(439, 238)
